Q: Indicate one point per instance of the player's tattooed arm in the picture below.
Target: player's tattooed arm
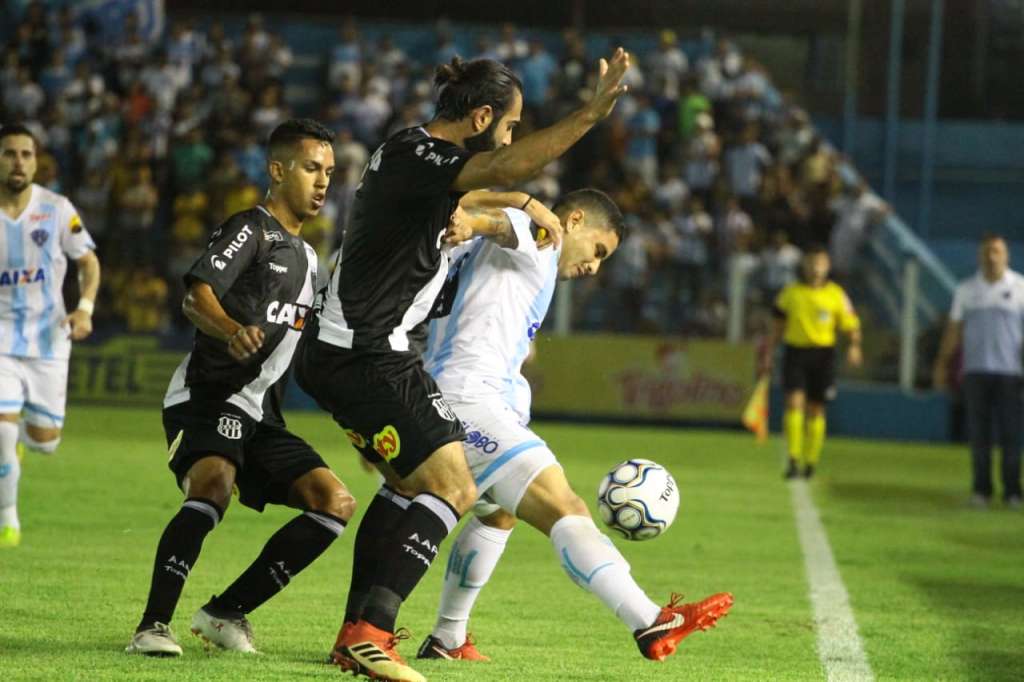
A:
(492, 223)
(202, 307)
(549, 226)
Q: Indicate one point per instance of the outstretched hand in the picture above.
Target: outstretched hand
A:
(609, 84)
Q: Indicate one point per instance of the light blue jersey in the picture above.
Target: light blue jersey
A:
(34, 253)
(477, 350)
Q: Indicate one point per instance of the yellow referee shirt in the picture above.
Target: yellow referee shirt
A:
(813, 313)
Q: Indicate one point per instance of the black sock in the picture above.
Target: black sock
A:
(385, 511)
(176, 555)
(406, 556)
(293, 547)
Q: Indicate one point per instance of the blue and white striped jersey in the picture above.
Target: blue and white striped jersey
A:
(34, 253)
(478, 343)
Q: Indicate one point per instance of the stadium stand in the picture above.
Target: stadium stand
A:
(157, 135)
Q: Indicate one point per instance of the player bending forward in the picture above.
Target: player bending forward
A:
(475, 353)
(248, 297)
(42, 231)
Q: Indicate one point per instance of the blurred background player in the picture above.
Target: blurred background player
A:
(42, 230)
(987, 321)
(248, 296)
(363, 363)
(808, 312)
(498, 295)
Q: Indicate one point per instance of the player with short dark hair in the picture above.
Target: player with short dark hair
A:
(494, 306)
(808, 313)
(248, 295)
(362, 359)
(42, 232)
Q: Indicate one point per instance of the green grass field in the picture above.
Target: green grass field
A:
(937, 589)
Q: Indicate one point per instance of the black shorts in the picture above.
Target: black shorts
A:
(811, 370)
(388, 405)
(268, 458)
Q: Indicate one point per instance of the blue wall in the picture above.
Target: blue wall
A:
(979, 174)
(880, 411)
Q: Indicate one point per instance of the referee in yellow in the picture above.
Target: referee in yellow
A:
(808, 313)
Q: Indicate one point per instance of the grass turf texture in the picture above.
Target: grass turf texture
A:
(936, 588)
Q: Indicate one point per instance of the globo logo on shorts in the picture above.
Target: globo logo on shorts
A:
(387, 443)
(481, 442)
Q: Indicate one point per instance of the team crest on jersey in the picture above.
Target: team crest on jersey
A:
(387, 443)
(229, 427)
(444, 410)
(39, 237)
(355, 438)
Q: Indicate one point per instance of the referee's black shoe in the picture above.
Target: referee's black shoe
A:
(791, 470)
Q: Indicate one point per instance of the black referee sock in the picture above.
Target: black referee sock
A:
(293, 547)
(385, 511)
(176, 554)
(409, 551)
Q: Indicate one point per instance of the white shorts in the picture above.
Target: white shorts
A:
(504, 456)
(38, 386)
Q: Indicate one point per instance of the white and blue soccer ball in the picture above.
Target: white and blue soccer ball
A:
(639, 499)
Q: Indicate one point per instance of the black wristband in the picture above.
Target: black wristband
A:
(528, 200)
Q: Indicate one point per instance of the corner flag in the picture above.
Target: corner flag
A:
(755, 414)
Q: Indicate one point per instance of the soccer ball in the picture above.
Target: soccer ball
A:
(639, 499)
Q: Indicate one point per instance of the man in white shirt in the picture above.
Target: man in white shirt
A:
(495, 301)
(41, 231)
(987, 321)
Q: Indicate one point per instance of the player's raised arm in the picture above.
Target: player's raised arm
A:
(526, 157)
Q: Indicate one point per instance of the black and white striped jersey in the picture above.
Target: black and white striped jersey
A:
(262, 276)
(392, 269)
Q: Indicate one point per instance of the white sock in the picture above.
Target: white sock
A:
(10, 472)
(473, 557)
(593, 563)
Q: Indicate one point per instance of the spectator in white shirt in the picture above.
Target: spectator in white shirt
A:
(702, 155)
(856, 211)
(26, 98)
(780, 261)
(745, 165)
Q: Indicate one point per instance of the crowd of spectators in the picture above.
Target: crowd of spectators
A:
(157, 141)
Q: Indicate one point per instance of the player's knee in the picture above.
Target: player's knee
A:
(211, 478)
(462, 498)
(572, 505)
(499, 519)
(41, 440)
(336, 501)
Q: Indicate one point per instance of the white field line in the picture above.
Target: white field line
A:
(839, 646)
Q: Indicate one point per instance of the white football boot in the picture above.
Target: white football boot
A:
(231, 632)
(155, 641)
